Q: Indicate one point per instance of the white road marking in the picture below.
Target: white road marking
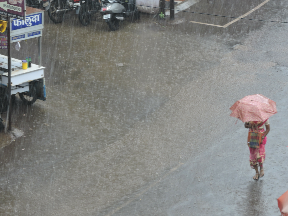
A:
(246, 14)
(207, 24)
(235, 20)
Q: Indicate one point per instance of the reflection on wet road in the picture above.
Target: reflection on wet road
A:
(113, 122)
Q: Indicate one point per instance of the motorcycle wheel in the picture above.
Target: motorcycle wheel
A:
(136, 15)
(113, 24)
(55, 17)
(29, 97)
(3, 100)
(84, 15)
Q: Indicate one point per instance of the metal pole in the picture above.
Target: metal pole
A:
(40, 50)
(172, 9)
(9, 74)
(162, 7)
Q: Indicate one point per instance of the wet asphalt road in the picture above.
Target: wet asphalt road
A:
(137, 122)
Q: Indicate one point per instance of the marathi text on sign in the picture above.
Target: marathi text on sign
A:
(13, 8)
(31, 20)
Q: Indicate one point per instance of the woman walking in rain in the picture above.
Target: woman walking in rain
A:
(255, 111)
(257, 155)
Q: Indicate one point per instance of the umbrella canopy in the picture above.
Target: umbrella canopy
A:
(253, 108)
(283, 204)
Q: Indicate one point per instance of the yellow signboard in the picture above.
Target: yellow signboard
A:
(3, 25)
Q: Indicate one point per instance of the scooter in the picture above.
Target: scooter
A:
(115, 11)
(57, 8)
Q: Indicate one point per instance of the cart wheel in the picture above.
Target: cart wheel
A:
(3, 100)
(29, 97)
(53, 7)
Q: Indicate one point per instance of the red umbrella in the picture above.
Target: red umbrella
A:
(283, 204)
(253, 108)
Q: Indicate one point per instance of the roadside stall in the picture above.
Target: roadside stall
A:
(27, 79)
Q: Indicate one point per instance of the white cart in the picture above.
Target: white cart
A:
(28, 83)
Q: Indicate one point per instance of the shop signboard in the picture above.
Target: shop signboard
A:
(13, 8)
(28, 28)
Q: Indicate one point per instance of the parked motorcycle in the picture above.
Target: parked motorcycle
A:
(38, 4)
(115, 11)
(57, 8)
(87, 9)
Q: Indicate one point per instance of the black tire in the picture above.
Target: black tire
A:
(136, 15)
(3, 100)
(84, 15)
(113, 24)
(56, 17)
(30, 97)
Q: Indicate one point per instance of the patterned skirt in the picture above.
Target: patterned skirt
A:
(257, 155)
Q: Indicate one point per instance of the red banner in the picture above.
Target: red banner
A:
(13, 8)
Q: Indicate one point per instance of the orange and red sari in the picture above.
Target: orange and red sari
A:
(257, 155)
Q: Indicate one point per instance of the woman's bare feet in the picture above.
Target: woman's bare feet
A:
(261, 172)
(256, 177)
